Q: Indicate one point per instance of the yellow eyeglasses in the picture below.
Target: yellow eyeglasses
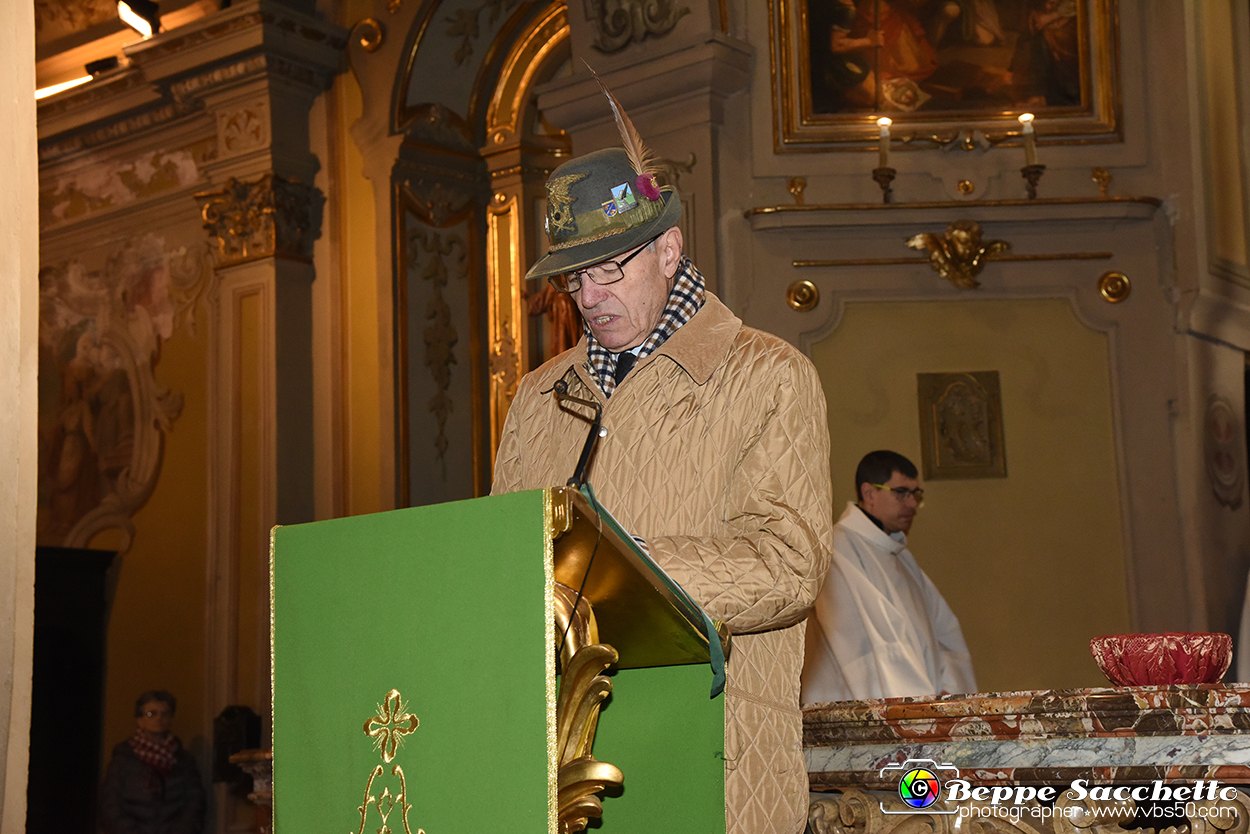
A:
(903, 493)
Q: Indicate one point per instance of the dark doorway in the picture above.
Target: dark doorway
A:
(67, 689)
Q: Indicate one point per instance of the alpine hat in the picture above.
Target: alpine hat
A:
(599, 206)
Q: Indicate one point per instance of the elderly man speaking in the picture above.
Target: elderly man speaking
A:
(716, 452)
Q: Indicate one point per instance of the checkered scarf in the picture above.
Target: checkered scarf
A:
(684, 300)
(160, 755)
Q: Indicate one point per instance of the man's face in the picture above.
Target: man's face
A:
(623, 314)
(894, 513)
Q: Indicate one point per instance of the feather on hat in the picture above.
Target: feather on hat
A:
(606, 202)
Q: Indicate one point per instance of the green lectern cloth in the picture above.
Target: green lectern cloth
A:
(446, 604)
(668, 738)
(449, 605)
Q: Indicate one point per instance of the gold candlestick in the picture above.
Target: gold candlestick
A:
(1032, 174)
(884, 176)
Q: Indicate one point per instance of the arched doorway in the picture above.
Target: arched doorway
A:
(467, 190)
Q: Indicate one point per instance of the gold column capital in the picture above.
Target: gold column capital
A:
(267, 217)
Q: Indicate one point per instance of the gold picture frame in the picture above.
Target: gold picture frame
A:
(834, 73)
(961, 425)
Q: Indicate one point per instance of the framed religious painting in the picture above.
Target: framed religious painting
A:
(945, 71)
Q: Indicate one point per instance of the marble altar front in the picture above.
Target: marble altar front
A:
(1071, 741)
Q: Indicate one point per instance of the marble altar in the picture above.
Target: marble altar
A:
(1173, 736)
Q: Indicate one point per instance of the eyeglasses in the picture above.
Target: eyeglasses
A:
(903, 493)
(608, 272)
(152, 713)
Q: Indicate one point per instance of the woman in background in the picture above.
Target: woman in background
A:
(152, 785)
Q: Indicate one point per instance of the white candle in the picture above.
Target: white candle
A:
(1030, 148)
(883, 148)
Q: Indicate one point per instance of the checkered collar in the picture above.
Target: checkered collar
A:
(684, 300)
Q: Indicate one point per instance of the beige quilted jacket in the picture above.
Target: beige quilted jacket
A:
(717, 454)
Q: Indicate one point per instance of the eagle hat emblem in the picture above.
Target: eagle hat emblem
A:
(561, 222)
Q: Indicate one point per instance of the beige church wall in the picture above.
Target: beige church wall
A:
(1032, 564)
(19, 340)
(1212, 455)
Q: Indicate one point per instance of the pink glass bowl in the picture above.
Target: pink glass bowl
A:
(1177, 657)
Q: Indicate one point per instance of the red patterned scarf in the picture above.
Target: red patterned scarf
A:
(160, 755)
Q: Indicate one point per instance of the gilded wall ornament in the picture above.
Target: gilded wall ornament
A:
(1114, 286)
(618, 23)
(370, 33)
(439, 125)
(503, 365)
(802, 296)
(104, 416)
(265, 218)
(387, 728)
(958, 254)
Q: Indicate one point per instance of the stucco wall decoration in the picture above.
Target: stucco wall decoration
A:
(103, 414)
(1223, 451)
(437, 258)
(465, 24)
(618, 23)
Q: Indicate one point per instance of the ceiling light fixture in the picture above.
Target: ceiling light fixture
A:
(144, 16)
(102, 66)
(64, 85)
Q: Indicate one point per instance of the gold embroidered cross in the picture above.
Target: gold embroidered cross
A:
(390, 725)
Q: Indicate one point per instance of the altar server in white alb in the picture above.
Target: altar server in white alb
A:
(881, 628)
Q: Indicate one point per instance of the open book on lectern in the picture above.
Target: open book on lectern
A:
(633, 597)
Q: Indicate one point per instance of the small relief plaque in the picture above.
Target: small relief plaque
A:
(961, 425)
(1223, 451)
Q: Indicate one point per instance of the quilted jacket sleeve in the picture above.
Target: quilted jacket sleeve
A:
(778, 507)
(507, 475)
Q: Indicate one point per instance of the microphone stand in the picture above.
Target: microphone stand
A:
(561, 389)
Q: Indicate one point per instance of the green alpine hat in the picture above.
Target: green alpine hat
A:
(599, 206)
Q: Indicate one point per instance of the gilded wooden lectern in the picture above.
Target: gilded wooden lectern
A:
(442, 669)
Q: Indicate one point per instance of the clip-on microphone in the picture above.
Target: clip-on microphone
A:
(561, 389)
